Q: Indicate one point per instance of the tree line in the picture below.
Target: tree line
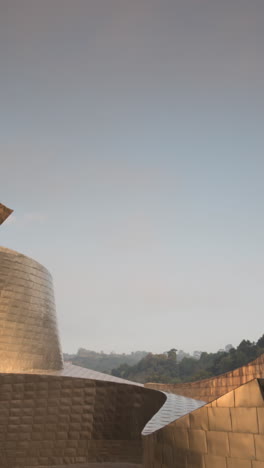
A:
(166, 368)
(103, 362)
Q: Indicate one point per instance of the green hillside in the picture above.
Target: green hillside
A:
(103, 362)
(165, 368)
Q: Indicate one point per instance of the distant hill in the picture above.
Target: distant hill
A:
(103, 362)
(166, 368)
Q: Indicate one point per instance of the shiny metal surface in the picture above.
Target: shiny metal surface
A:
(29, 337)
(70, 370)
(54, 415)
(175, 407)
(226, 433)
(4, 213)
(214, 387)
(55, 420)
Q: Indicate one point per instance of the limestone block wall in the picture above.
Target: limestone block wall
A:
(209, 389)
(47, 420)
(226, 433)
(28, 327)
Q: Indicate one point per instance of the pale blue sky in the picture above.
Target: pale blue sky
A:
(132, 154)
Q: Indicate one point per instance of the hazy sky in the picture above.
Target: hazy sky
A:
(132, 154)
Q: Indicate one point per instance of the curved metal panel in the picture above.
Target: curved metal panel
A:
(4, 213)
(54, 415)
(228, 433)
(214, 387)
(29, 336)
(49, 420)
(175, 407)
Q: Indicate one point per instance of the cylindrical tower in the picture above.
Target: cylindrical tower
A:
(29, 337)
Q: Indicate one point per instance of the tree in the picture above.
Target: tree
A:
(260, 342)
(164, 367)
(172, 354)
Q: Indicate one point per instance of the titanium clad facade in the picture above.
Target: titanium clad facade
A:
(226, 433)
(4, 213)
(52, 421)
(29, 334)
(55, 415)
(214, 387)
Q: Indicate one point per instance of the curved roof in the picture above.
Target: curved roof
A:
(174, 408)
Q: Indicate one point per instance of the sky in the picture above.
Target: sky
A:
(131, 151)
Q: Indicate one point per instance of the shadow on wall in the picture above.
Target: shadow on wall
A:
(48, 420)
